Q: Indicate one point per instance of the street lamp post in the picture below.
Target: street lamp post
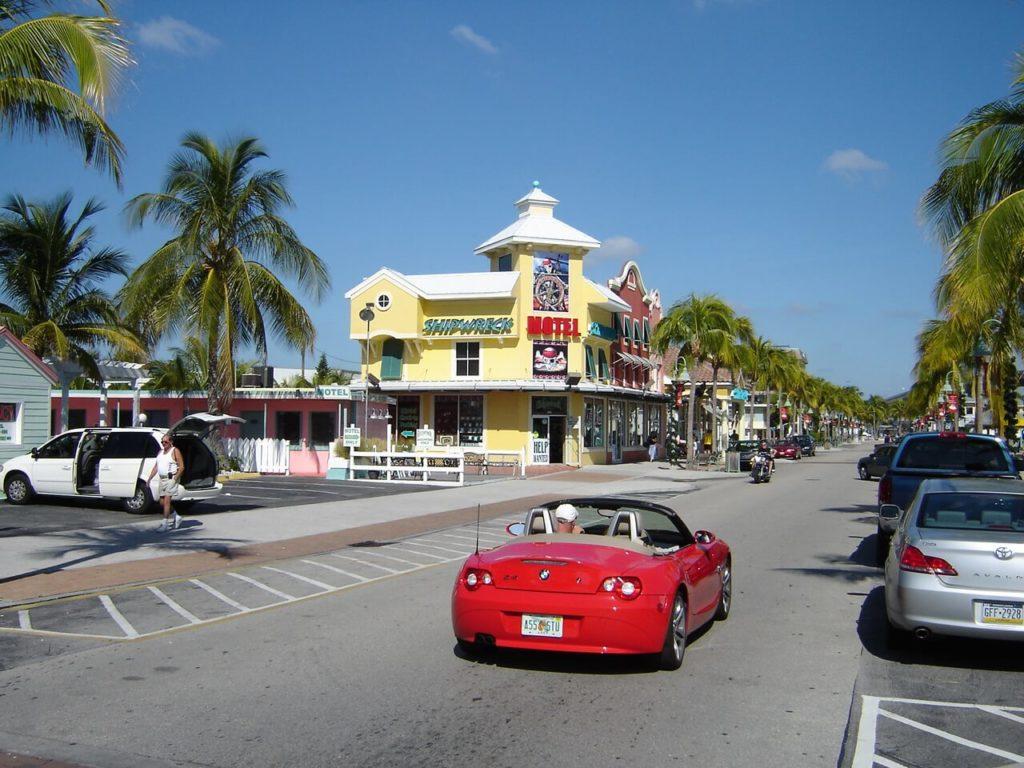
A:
(366, 313)
(981, 354)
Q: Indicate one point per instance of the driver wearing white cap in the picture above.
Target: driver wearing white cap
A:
(565, 519)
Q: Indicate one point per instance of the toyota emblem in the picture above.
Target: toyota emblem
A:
(1003, 553)
(545, 573)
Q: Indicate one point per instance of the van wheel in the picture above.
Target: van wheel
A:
(140, 503)
(18, 488)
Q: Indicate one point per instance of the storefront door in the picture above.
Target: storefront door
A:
(557, 433)
(541, 440)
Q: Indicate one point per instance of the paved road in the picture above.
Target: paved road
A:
(368, 674)
(53, 514)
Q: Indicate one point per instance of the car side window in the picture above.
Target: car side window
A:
(62, 447)
(130, 445)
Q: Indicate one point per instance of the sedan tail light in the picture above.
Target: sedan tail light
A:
(624, 587)
(913, 559)
(477, 577)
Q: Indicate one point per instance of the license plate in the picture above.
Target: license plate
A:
(542, 626)
(1001, 613)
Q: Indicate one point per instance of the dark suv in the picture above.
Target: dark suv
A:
(806, 443)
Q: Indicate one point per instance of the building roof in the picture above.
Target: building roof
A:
(30, 357)
(536, 223)
(616, 283)
(451, 286)
(610, 302)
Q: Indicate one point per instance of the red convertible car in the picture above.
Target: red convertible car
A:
(635, 581)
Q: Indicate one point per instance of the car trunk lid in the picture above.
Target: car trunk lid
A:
(201, 424)
(982, 559)
(557, 567)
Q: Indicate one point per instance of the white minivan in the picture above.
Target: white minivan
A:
(114, 463)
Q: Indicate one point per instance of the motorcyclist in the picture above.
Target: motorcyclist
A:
(765, 452)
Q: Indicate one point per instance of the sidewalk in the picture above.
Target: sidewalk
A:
(69, 562)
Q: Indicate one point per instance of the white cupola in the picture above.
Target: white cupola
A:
(536, 224)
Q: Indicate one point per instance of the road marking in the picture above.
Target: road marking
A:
(952, 737)
(1001, 712)
(261, 585)
(314, 582)
(397, 560)
(118, 618)
(246, 496)
(460, 552)
(473, 538)
(885, 762)
(864, 752)
(219, 595)
(23, 620)
(367, 563)
(189, 617)
(339, 570)
(416, 552)
(287, 489)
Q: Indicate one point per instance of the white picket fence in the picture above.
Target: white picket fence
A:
(259, 454)
(433, 468)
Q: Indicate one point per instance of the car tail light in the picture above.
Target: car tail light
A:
(953, 435)
(885, 490)
(478, 577)
(913, 559)
(624, 587)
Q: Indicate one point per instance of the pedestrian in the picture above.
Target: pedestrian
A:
(170, 466)
(652, 446)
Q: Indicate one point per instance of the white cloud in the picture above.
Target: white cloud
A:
(177, 36)
(618, 249)
(850, 163)
(465, 34)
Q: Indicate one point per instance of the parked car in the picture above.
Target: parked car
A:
(875, 463)
(636, 581)
(806, 443)
(114, 463)
(957, 561)
(786, 449)
(746, 449)
(922, 455)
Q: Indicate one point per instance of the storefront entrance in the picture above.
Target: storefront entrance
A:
(548, 425)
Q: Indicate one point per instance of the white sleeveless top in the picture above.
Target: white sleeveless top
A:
(165, 463)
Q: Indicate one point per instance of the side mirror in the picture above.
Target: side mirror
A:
(704, 537)
(889, 512)
(35, 453)
(515, 529)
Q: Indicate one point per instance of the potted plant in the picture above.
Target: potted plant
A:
(337, 463)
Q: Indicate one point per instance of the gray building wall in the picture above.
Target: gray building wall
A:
(20, 382)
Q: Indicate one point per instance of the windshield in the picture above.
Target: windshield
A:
(966, 454)
(747, 445)
(973, 511)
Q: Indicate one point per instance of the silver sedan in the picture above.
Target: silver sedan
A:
(956, 565)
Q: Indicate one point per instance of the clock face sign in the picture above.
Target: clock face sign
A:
(551, 281)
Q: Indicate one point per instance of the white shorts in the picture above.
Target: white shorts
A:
(168, 486)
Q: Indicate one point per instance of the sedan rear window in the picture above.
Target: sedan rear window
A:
(964, 454)
(973, 511)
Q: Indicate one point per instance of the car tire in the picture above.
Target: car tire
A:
(883, 541)
(725, 598)
(18, 488)
(140, 503)
(674, 648)
(863, 472)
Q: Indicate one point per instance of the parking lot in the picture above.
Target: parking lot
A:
(52, 514)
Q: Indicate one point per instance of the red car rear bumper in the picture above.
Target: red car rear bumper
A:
(599, 623)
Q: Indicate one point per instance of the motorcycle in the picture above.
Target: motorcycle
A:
(761, 468)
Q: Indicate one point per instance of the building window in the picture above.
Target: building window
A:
(289, 426)
(321, 429)
(635, 423)
(627, 328)
(654, 419)
(459, 420)
(384, 302)
(158, 417)
(391, 360)
(408, 419)
(550, 405)
(637, 338)
(590, 361)
(602, 365)
(593, 423)
(253, 427)
(615, 423)
(471, 420)
(505, 262)
(647, 331)
(467, 358)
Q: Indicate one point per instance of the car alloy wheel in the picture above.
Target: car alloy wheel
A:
(139, 503)
(863, 472)
(675, 637)
(18, 490)
(725, 599)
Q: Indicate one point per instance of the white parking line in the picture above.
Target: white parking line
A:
(261, 585)
(287, 489)
(952, 737)
(473, 538)
(1001, 713)
(396, 559)
(247, 496)
(219, 595)
(417, 543)
(364, 562)
(188, 616)
(864, 752)
(417, 553)
(23, 620)
(314, 582)
(339, 570)
(116, 615)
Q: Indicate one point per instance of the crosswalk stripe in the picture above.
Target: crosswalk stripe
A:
(118, 617)
(219, 595)
(261, 585)
(188, 616)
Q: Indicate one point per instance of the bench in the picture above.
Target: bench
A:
(487, 459)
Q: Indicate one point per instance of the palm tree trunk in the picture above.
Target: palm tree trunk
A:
(689, 423)
(714, 409)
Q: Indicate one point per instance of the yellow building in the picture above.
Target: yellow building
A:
(528, 356)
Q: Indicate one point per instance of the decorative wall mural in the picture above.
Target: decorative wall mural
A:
(551, 281)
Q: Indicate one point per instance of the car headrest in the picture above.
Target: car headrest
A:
(625, 524)
(540, 520)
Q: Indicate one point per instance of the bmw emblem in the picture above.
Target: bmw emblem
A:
(1003, 553)
(544, 574)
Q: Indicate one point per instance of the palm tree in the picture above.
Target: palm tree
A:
(40, 55)
(697, 326)
(185, 371)
(219, 277)
(723, 352)
(50, 278)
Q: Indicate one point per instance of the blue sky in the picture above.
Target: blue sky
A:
(770, 151)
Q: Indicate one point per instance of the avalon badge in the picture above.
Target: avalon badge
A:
(1003, 553)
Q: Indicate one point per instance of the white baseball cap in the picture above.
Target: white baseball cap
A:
(566, 513)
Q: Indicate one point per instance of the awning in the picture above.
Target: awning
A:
(631, 359)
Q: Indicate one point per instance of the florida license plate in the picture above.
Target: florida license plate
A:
(1001, 613)
(542, 626)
